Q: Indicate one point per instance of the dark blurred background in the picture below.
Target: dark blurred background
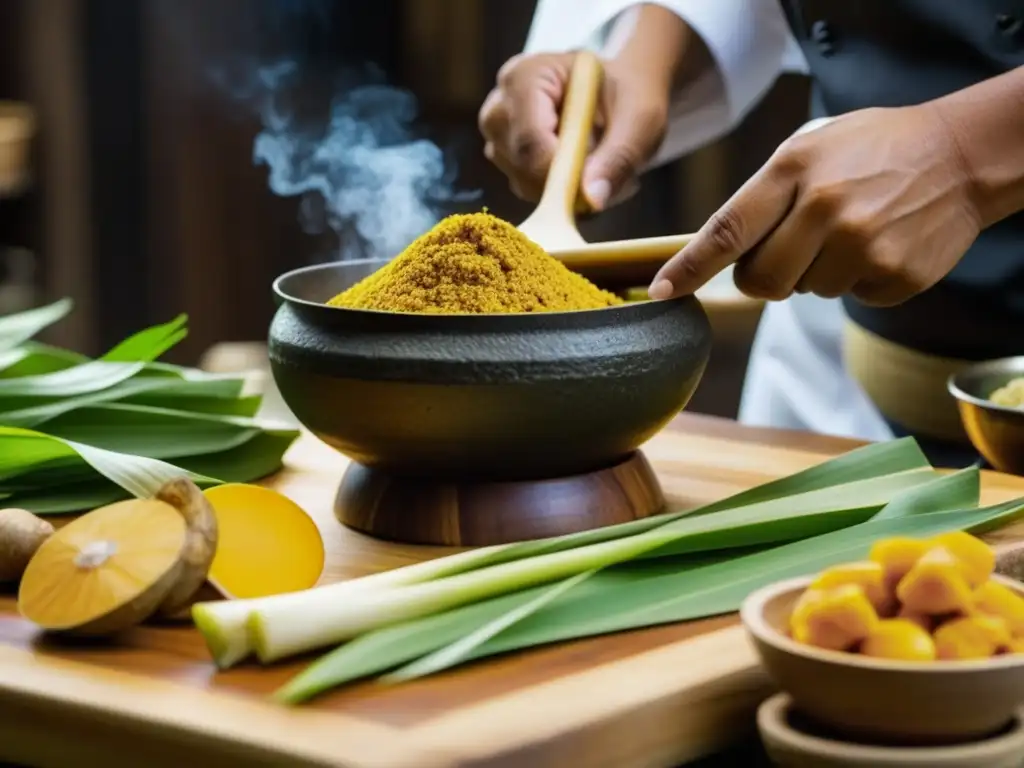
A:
(142, 199)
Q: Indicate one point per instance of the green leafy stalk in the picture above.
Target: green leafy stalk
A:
(224, 624)
(289, 628)
(960, 490)
(627, 596)
(18, 328)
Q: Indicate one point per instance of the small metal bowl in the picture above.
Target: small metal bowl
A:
(996, 431)
(495, 397)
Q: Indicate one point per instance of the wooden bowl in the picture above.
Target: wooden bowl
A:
(792, 741)
(879, 700)
(481, 397)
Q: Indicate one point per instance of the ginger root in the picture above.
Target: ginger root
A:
(118, 565)
(21, 534)
(200, 547)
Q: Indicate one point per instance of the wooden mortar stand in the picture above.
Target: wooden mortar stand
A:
(478, 513)
(467, 513)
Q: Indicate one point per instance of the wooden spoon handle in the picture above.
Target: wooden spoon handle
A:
(574, 129)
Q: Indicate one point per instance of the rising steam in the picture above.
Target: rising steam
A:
(356, 163)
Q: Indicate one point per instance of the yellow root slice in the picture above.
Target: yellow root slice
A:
(267, 544)
(899, 639)
(868, 575)
(186, 497)
(998, 600)
(897, 555)
(935, 585)
(835, 619)
(971, 637)
(977, 559)
(21, 534)
(106, 571)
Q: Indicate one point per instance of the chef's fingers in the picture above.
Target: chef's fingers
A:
(736, 228)
(532, 127)
(634, 129)
(774, 268)
(837, 269)
(523, 188)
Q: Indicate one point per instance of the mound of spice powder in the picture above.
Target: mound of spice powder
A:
(474, 263)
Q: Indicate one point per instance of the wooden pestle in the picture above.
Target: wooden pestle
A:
(552, 225)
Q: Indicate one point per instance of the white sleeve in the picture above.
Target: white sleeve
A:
(749, 41)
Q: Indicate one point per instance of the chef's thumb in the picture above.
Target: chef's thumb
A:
(630, 139)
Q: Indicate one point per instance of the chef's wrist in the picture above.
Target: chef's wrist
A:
(654, 43)
(986, 124)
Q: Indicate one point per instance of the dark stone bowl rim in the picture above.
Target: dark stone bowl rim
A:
(503, 321)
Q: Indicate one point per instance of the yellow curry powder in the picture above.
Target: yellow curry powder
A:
(474, 263)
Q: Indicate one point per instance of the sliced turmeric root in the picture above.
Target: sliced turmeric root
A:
(835, 619)
(897, 555)
(106, 571)
(118, 565)
(935, 585)
(899, 639)
(995, 599)
(971, 637)
(976, 558)
(267, 544)
(866, 574)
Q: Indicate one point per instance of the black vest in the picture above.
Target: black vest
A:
(887, 53)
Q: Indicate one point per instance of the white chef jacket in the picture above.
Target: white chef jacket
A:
(795, 378)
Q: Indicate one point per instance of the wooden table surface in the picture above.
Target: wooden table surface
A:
(655, 697)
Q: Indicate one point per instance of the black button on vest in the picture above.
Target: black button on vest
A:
(902, 52)
(822, 36)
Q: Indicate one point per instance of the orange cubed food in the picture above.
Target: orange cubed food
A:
(995, 599)
(971, 637)
(923, 620)
(935, 585)
(1016, 645)
(977, 559)
(866, 574)
(897, 556)
(836, 619)
(899, 639)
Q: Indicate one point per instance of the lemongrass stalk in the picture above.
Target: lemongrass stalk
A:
(295, 626)
(223, 623)
(317, 618)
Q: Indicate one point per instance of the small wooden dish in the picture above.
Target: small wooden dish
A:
(793, 741)
(879, 700)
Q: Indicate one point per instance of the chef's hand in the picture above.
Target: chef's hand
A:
(519, 120)
(875, 204)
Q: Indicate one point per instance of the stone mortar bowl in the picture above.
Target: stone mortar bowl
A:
(494, 397)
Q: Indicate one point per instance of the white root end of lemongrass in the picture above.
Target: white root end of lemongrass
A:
(21, 535)
(225, 625)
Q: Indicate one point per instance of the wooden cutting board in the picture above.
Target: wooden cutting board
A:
(655, 697)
